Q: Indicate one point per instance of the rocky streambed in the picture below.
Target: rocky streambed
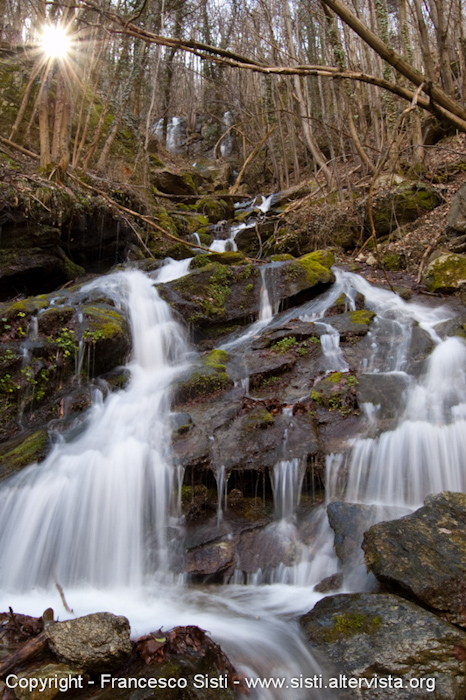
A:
(231, 405)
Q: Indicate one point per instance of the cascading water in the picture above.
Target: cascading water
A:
(95, 516)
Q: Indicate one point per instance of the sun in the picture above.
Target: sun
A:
(55, 41)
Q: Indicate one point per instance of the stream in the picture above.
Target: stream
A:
(82, 517)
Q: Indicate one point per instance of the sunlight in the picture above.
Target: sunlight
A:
(55, 42)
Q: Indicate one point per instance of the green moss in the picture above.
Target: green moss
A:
(72, 270)
(446, 273)
(362, 317)
(393, 261)
(30, 306)
(228, 258)
(258, 418)
(248, 289)
(214, 209)
(350, 624)
(311, 268)
(208, 377)
(106, 322)
(280, 257)
(26, 452)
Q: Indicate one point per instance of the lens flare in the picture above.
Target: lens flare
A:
(55, 41)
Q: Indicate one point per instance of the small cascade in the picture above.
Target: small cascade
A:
(33, 328)
(173, 269)
(226, 146)
(195, 238)
(222, 486)
(228, 244)
(287, 483)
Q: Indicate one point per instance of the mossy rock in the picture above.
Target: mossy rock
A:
(19, 452)
(362, 317)
(207, 376)
(213, 296)
(227, 258)
(54, 318)
(445, 273)
(170, 182)
(30, 306)
(401, 205)
(394, 261)
(304, 273)
(336, 392)
(107, 337)
(214, 209)
(281, 257)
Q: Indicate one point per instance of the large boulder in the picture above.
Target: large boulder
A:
(424, 554)
(445, 272)
(401, 205)
(95, 643)
(390, 647)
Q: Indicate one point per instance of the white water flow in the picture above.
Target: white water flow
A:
(287, 483)
(221, 246)
(95, 518)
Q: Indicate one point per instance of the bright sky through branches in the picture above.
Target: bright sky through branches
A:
(55, 41)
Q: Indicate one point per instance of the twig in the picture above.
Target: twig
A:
(63, 599)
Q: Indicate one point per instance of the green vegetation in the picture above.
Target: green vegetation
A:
(285, 344)
(363, 317)
(25, 452)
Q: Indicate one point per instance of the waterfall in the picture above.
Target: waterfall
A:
(96, 511)
(97, 516)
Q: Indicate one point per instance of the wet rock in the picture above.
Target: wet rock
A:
(182, 654)
(424, 554)
(98, 642)
(213, 558)
(369, 635)
(106, 333)
(445, 272)
(349, 521)
(205, 377)
(329, 584)
(385, 391)
(266, 549)
(34, 270)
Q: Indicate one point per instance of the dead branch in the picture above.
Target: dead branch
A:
(19, 148)
(27, 652)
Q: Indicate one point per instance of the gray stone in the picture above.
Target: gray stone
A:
(424, 554)
(456, 218)
(383, 638)
(97, 642)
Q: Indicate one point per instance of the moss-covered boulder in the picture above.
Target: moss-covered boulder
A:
(216, 297)
(106, 334)
(213, 209)
(207, 376)
(445, 273)
(388, 647)
(401, 205)
(170, 182)
(307, 274)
